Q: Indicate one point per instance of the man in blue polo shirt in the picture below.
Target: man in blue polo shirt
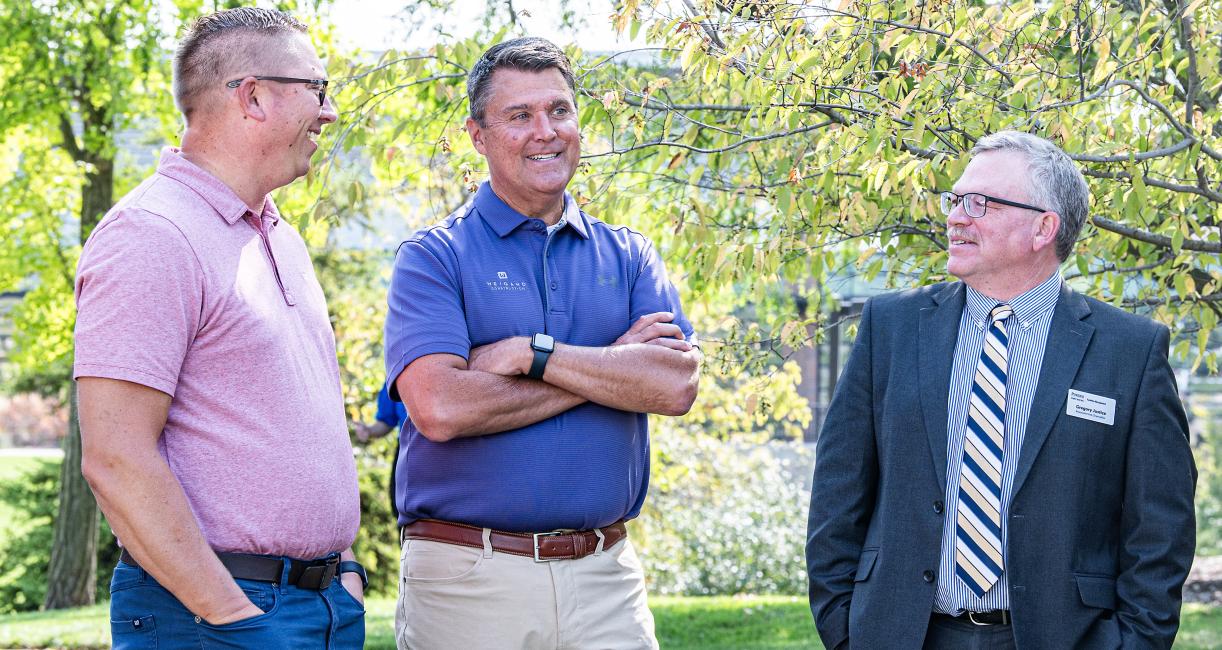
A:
(529, 340)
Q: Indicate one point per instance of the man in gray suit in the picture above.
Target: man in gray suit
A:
(1005, 463)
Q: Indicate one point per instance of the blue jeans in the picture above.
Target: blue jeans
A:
(143, 614)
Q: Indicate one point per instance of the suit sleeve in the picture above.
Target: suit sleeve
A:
(1158, 521)
(843, 492)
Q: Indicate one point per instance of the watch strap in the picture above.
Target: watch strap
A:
(540, 362)
(349, 566)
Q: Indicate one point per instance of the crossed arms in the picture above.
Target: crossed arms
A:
(648, 369)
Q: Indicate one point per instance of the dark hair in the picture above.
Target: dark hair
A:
(531, 54)
(210, 50)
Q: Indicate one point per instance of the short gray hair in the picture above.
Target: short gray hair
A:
(211, 48)
(1054, 180)
(531, 54)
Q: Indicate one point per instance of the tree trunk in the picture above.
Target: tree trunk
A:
(72, 574)
(71, 578)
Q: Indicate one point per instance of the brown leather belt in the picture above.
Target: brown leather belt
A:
(543, 547)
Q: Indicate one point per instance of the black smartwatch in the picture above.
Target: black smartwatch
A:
(543, 345)
(348, 566)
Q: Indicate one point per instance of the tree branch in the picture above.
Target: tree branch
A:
(1135, 157)
(69, 138)
(744, 141)
(1157, 240)
(1154, 182)
(926, 30)
(1173, 300)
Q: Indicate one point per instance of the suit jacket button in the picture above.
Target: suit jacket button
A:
(927, 576)
(937, 507)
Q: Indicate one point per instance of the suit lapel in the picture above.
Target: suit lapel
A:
(938, 333)
(1068, 338)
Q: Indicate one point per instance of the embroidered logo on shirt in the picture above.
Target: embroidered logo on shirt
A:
(502, 283)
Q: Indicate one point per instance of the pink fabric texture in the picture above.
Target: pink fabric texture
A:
(182, 289)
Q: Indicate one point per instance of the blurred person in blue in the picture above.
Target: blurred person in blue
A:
(529, 341)
(389, 417)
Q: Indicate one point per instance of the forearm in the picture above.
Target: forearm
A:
(148, 511)
(633, 377)
(462, 403)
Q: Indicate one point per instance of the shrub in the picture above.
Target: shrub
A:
(26, 546)
(1208, 452)
(725, 518)
(377, 545)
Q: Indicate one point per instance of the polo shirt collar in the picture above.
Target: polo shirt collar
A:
(210, 188)
(504, 219)
(1027, 306)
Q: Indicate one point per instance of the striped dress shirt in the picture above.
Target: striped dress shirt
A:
(1028, 332)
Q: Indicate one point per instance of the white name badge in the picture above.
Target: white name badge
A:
(1091, 407)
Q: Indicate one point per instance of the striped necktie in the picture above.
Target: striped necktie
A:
(978, 560)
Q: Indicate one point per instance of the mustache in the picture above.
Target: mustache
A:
(956, 233)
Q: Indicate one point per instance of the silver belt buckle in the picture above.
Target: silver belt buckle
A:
(971, 616)
(550, 534)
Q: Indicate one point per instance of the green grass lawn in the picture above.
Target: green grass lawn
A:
(715, 623)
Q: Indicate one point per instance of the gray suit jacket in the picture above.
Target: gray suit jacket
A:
(1101, 523)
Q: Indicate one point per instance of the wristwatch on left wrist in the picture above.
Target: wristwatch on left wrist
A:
(543, 345)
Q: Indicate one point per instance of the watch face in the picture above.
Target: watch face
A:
(543, 342)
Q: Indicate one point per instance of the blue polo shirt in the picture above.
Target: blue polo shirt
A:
(487, 273)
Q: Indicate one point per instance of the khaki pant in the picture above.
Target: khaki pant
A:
(457, 598)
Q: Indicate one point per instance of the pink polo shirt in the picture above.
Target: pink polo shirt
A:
(182, 289)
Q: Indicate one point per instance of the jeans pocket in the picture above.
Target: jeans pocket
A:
(263, 595)
(342, 594)
(134, 633)
(126, 576)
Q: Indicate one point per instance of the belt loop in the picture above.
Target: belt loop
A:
(286, 566)
(487, 542)
(598, 550)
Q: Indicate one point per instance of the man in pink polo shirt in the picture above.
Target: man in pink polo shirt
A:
(213, 427)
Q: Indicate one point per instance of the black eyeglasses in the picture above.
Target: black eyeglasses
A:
(321, 83)
(975, 204)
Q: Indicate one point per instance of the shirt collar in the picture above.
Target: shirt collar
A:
(1027, 306)
(211, 189)
(504, 219)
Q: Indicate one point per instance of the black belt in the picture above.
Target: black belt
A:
(993, 617)
(306, 574)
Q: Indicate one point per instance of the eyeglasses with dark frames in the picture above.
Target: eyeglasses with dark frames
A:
(321, 83)
(976, 204)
